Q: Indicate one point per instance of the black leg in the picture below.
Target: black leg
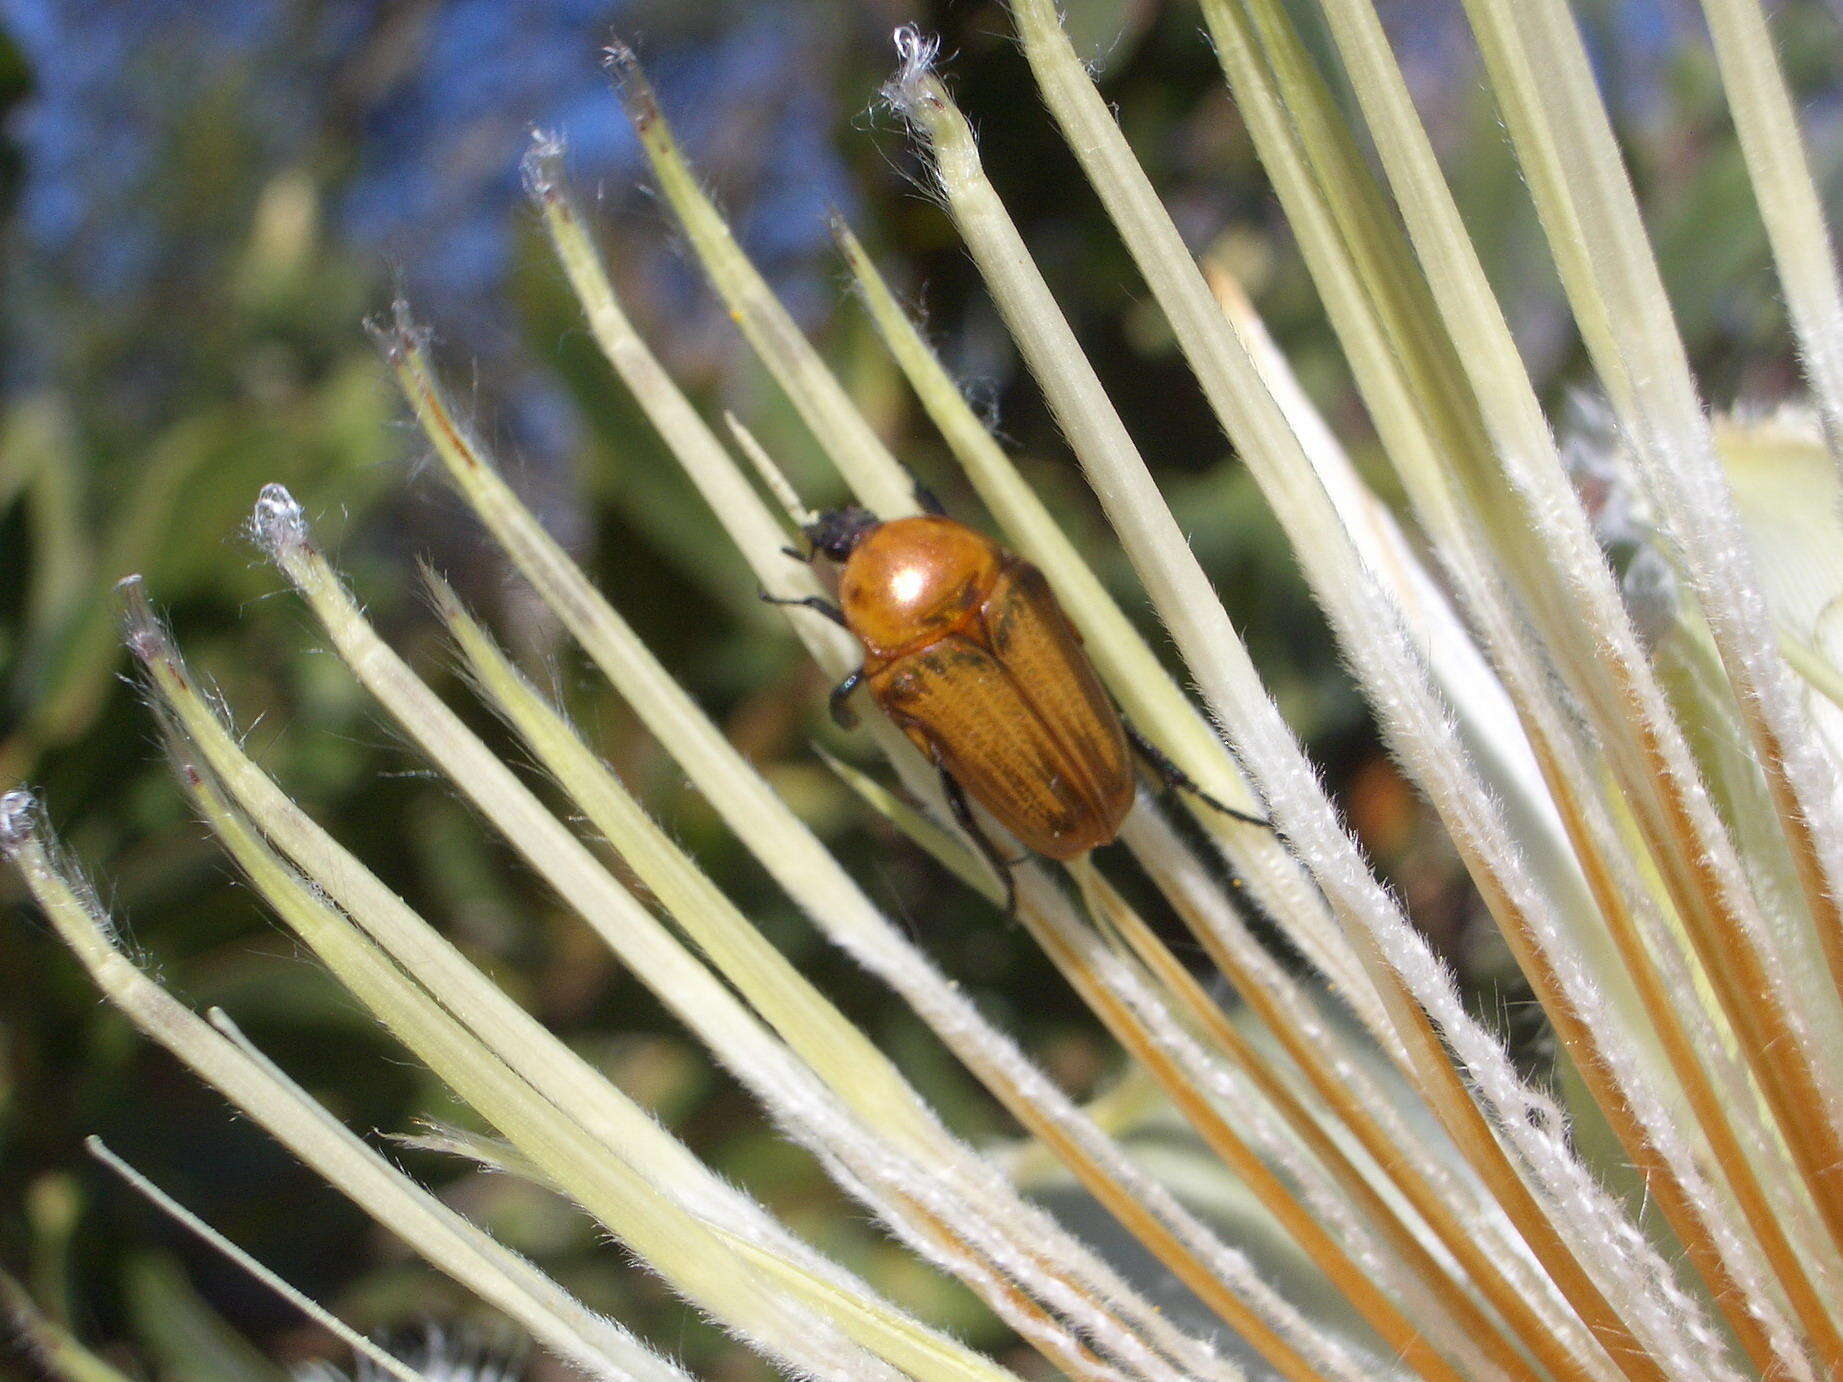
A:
(928, 501)
(818, 602)
(963, 814)
(842, 714)
(1173, 776)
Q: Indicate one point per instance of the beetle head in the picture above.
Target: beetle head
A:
(837, 532)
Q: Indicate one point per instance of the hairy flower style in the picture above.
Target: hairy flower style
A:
(1639, 768)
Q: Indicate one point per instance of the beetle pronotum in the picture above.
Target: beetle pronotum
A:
(967, 651)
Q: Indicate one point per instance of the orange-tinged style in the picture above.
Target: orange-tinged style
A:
(968, 652)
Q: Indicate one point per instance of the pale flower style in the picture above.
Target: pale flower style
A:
(1640, 772)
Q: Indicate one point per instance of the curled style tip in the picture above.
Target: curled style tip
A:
(397, 335)
(630, 79)
(542, 166)
(916, 53)
(618, 57)
(277, 523)
(141, 628)
(18, 818)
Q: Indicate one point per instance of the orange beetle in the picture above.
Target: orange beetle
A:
(967, 651)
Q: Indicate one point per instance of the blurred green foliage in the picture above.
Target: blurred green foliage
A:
(157, 413)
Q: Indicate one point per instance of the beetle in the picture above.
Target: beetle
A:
(968, 652)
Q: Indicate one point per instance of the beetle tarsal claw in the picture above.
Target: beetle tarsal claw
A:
(843, 715)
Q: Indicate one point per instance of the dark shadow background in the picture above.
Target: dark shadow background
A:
(199, 202)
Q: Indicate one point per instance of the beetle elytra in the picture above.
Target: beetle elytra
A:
(969, 654)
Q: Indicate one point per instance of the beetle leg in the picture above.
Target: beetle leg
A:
(818, 602)
(963, 814)
(928, 500)
(842, 714)
(1173, 776)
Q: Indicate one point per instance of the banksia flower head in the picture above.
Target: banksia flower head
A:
(1608, 663)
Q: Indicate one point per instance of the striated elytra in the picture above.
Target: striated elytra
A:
(967, 651)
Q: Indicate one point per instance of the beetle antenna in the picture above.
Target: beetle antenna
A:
(813, 602)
